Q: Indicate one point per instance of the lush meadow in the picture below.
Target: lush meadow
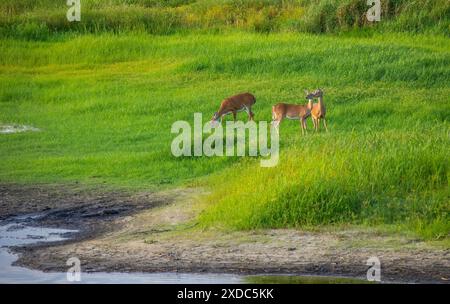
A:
(105, 102)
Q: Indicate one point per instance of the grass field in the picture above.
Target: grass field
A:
(105, 103)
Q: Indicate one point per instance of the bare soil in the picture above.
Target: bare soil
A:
(152, 232)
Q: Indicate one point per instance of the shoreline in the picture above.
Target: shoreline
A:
(153, 232)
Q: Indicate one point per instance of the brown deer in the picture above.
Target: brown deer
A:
(281, 111)
(319, 111)
(235, 104)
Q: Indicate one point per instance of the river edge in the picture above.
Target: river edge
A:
(154, 232)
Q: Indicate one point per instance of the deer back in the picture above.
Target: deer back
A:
(237, 102)
(282, 110)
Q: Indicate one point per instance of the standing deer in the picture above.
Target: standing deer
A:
(281, 111)
(318, 111)
(235, 104)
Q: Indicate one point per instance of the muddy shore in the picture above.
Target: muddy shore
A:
(152, 232)
(91, 211)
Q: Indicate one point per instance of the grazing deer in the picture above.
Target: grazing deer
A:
(318, 111)
(235, 104)
(292, 111)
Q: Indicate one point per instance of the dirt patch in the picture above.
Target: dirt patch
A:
(92, 211)
(158, 233)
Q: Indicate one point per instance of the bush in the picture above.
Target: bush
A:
(32, 31)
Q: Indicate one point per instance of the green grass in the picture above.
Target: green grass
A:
(105, 104)
(365, 177)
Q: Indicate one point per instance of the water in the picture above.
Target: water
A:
(9, 129)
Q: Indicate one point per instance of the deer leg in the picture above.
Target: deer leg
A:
(275, 120)
(325, 124)
(249, 112)
(314, 123)
(250, 115)
(275, 124)
(234, 115)
(318, 124)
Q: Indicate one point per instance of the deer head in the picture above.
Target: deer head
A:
(309, 95)
(318, 93)
(216, 119)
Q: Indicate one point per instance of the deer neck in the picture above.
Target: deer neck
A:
(222, 112)
(320, 102)
(310, 104)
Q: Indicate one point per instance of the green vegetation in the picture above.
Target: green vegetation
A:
(371, 177)
(40, 19)
(105, 96)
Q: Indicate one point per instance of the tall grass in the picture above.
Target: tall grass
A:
(370, 177)
(31, 19)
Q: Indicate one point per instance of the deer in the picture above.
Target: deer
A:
(234, 104)
(318, 111)
(281, 111)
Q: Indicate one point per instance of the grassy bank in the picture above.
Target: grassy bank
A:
(105, 104)
(369, 177)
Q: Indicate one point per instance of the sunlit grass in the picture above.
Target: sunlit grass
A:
(370, 177)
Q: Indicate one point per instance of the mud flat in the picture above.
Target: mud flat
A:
(156, 232)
